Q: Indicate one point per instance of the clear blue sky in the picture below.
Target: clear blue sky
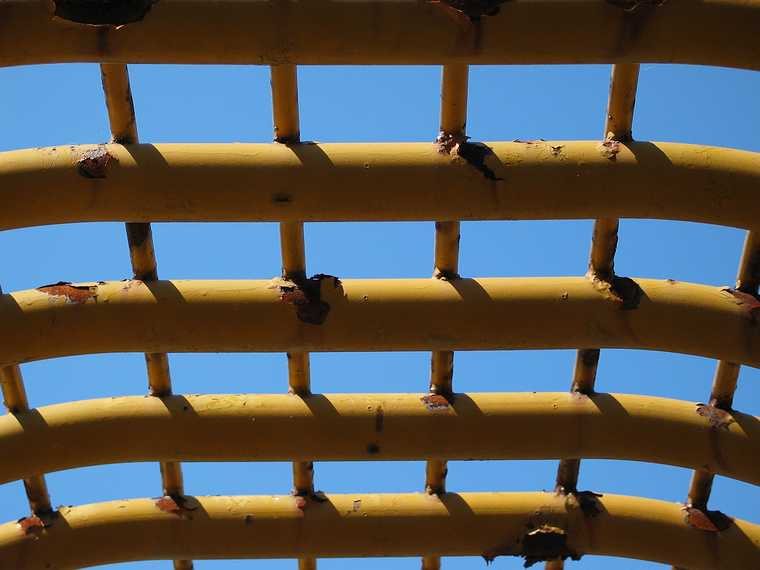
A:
(55, 105)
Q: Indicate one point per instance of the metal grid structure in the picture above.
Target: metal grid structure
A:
(450, 180)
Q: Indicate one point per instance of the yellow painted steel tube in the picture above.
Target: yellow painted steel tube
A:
(709, 32)
(375, 315)
(361, 182)
(463, 524)
(350, 427)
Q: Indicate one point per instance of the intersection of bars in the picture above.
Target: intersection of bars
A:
(545, 542)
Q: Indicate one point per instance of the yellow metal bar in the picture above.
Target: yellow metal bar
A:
(351, 427)
(748, 278)
(285, 104)
(366, 182)
(121, 116)
(623, 83)
(720, 32)
(454, 83)
(376, 315)
(15, 400)
(487, 524)
(121, 110)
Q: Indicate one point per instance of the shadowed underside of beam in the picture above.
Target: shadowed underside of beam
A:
(368, 182)
(379, 427)
(534, 525)
(709, 32)
(326, 314)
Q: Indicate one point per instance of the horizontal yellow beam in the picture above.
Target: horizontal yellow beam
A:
(326, 314)
(399, 181)
(710, 32)
(377, 426)
(487, 524)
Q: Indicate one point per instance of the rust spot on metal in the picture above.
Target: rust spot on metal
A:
(719, 419)
(473, 9)
(356, 505)
(179, 505)
(447, 141)
(32, 525)
(94, 162)
(710, 521)
(589, 503)
(538, 545)
(306, 296)
(621, 290)
(609, 149)
(746, 301)
(435, 402)
(556, 150)
(76, 294)
(300, 502)
(103, 12)
(373, 448)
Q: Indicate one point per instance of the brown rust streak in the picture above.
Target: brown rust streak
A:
(76, 294)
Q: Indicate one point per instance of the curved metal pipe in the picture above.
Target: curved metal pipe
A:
(533, 525)
(350, 427)
(326, 314)
(707, 32)
(366, 182)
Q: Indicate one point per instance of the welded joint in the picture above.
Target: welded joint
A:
(706, 520)
(623, 291)
(609, 147)
(717, 417)
(436, 402)
(539, 544)
(36, 523)
(473, 153)
(306, 296)
(94, 162)
(179, 505)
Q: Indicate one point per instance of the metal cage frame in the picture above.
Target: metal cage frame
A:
(451, 180)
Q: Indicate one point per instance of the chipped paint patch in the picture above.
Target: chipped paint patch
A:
(474, 153)
(94, 162)
(74, 294)
(31, 525)
(111, 13)
(446, 142)
(356, 505)
(709, 521)
(621, 290)
(609, 149)
(179, 505)
(719, 419)
(306, 296)
(435, 402)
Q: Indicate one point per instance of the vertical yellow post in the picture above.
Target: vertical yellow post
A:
(617, 129)
(14, 397)
(454, 86)
(287, 131)
(121, 117)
